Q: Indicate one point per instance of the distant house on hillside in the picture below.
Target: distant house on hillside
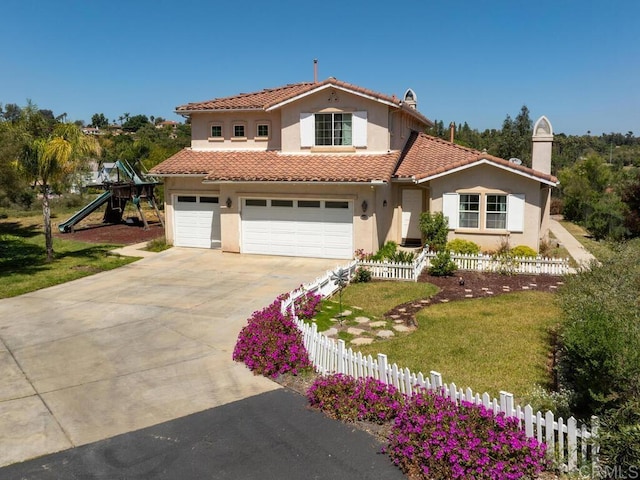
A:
(321, 169)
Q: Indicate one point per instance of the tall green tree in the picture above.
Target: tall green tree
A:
(98, 120)
(47, 161)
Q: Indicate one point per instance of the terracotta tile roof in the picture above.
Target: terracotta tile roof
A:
(243, 101)
(425, 156)
(272, 166)
(271, 97)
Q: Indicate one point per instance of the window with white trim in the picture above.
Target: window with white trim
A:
(333, 129)
(484, 212)
(469, 210)
(496, 215)
(216, 131)
(239, 130)
(262, 130)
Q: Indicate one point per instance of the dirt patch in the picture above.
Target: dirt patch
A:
(116, 234)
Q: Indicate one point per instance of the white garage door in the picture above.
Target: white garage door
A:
(197, 221)
(298, 228)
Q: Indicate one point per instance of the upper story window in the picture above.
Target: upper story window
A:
(216, 131)
(239, 130)
(333, 129)
(262, 130)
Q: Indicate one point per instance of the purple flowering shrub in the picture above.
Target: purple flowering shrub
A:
(307, 305)
(434, 438)
(348, 399)
(271, 344)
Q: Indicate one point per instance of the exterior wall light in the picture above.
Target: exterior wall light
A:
(365, 205)
(229, 203)
(384, 203)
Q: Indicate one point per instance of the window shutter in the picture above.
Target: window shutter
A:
(359, 129)
(307, 130)
(515, 212)
(450, 209)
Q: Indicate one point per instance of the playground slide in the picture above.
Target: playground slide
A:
(66, 226)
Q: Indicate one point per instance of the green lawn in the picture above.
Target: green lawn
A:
(23, 266)
(600, 249)
(488, 344)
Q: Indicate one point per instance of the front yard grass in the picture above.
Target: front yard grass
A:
(23, 266)
(488, 344)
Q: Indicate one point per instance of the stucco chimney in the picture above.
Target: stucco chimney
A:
(452, 131)
(542, 143)
(315, 70)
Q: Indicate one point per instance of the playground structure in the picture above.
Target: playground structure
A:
(121, 184)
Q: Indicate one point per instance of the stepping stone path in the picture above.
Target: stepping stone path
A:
(362, 341)
(402, 317)
(378, 324)
(385, 334)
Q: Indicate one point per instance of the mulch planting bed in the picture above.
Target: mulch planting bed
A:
(117, 234)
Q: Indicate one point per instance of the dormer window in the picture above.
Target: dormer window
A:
(333, 129)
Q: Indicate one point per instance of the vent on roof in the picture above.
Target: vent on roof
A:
(515, 161)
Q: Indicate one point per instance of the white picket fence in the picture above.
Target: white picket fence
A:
(397, 270)
(481, 262)
(570, 446)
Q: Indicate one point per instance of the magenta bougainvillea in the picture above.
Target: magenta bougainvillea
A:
(271, 344)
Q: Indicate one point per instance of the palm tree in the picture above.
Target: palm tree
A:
(47, 161)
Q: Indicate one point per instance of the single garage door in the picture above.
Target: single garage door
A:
(197, 221)
(298, 228)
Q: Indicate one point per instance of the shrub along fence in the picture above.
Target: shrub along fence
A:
(480, 262)
(569, 445)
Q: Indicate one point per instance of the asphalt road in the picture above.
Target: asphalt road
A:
(273, 435)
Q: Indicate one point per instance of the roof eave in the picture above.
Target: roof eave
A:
(486, 162)
(322, 87)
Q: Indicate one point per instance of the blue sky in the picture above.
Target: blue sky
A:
(577, 62)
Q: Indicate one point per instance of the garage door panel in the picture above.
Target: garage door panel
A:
(197, 221)
(298, 230)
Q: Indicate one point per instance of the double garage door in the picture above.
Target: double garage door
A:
(299, 228)
(197, 221)
(289, 227)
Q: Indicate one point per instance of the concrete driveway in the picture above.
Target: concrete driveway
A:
(134, 347)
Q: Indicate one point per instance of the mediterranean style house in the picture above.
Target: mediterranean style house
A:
(321, 169)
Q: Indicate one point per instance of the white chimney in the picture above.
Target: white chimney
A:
(542, 143)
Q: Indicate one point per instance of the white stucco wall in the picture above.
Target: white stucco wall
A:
(201, 130)
(336, 100)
